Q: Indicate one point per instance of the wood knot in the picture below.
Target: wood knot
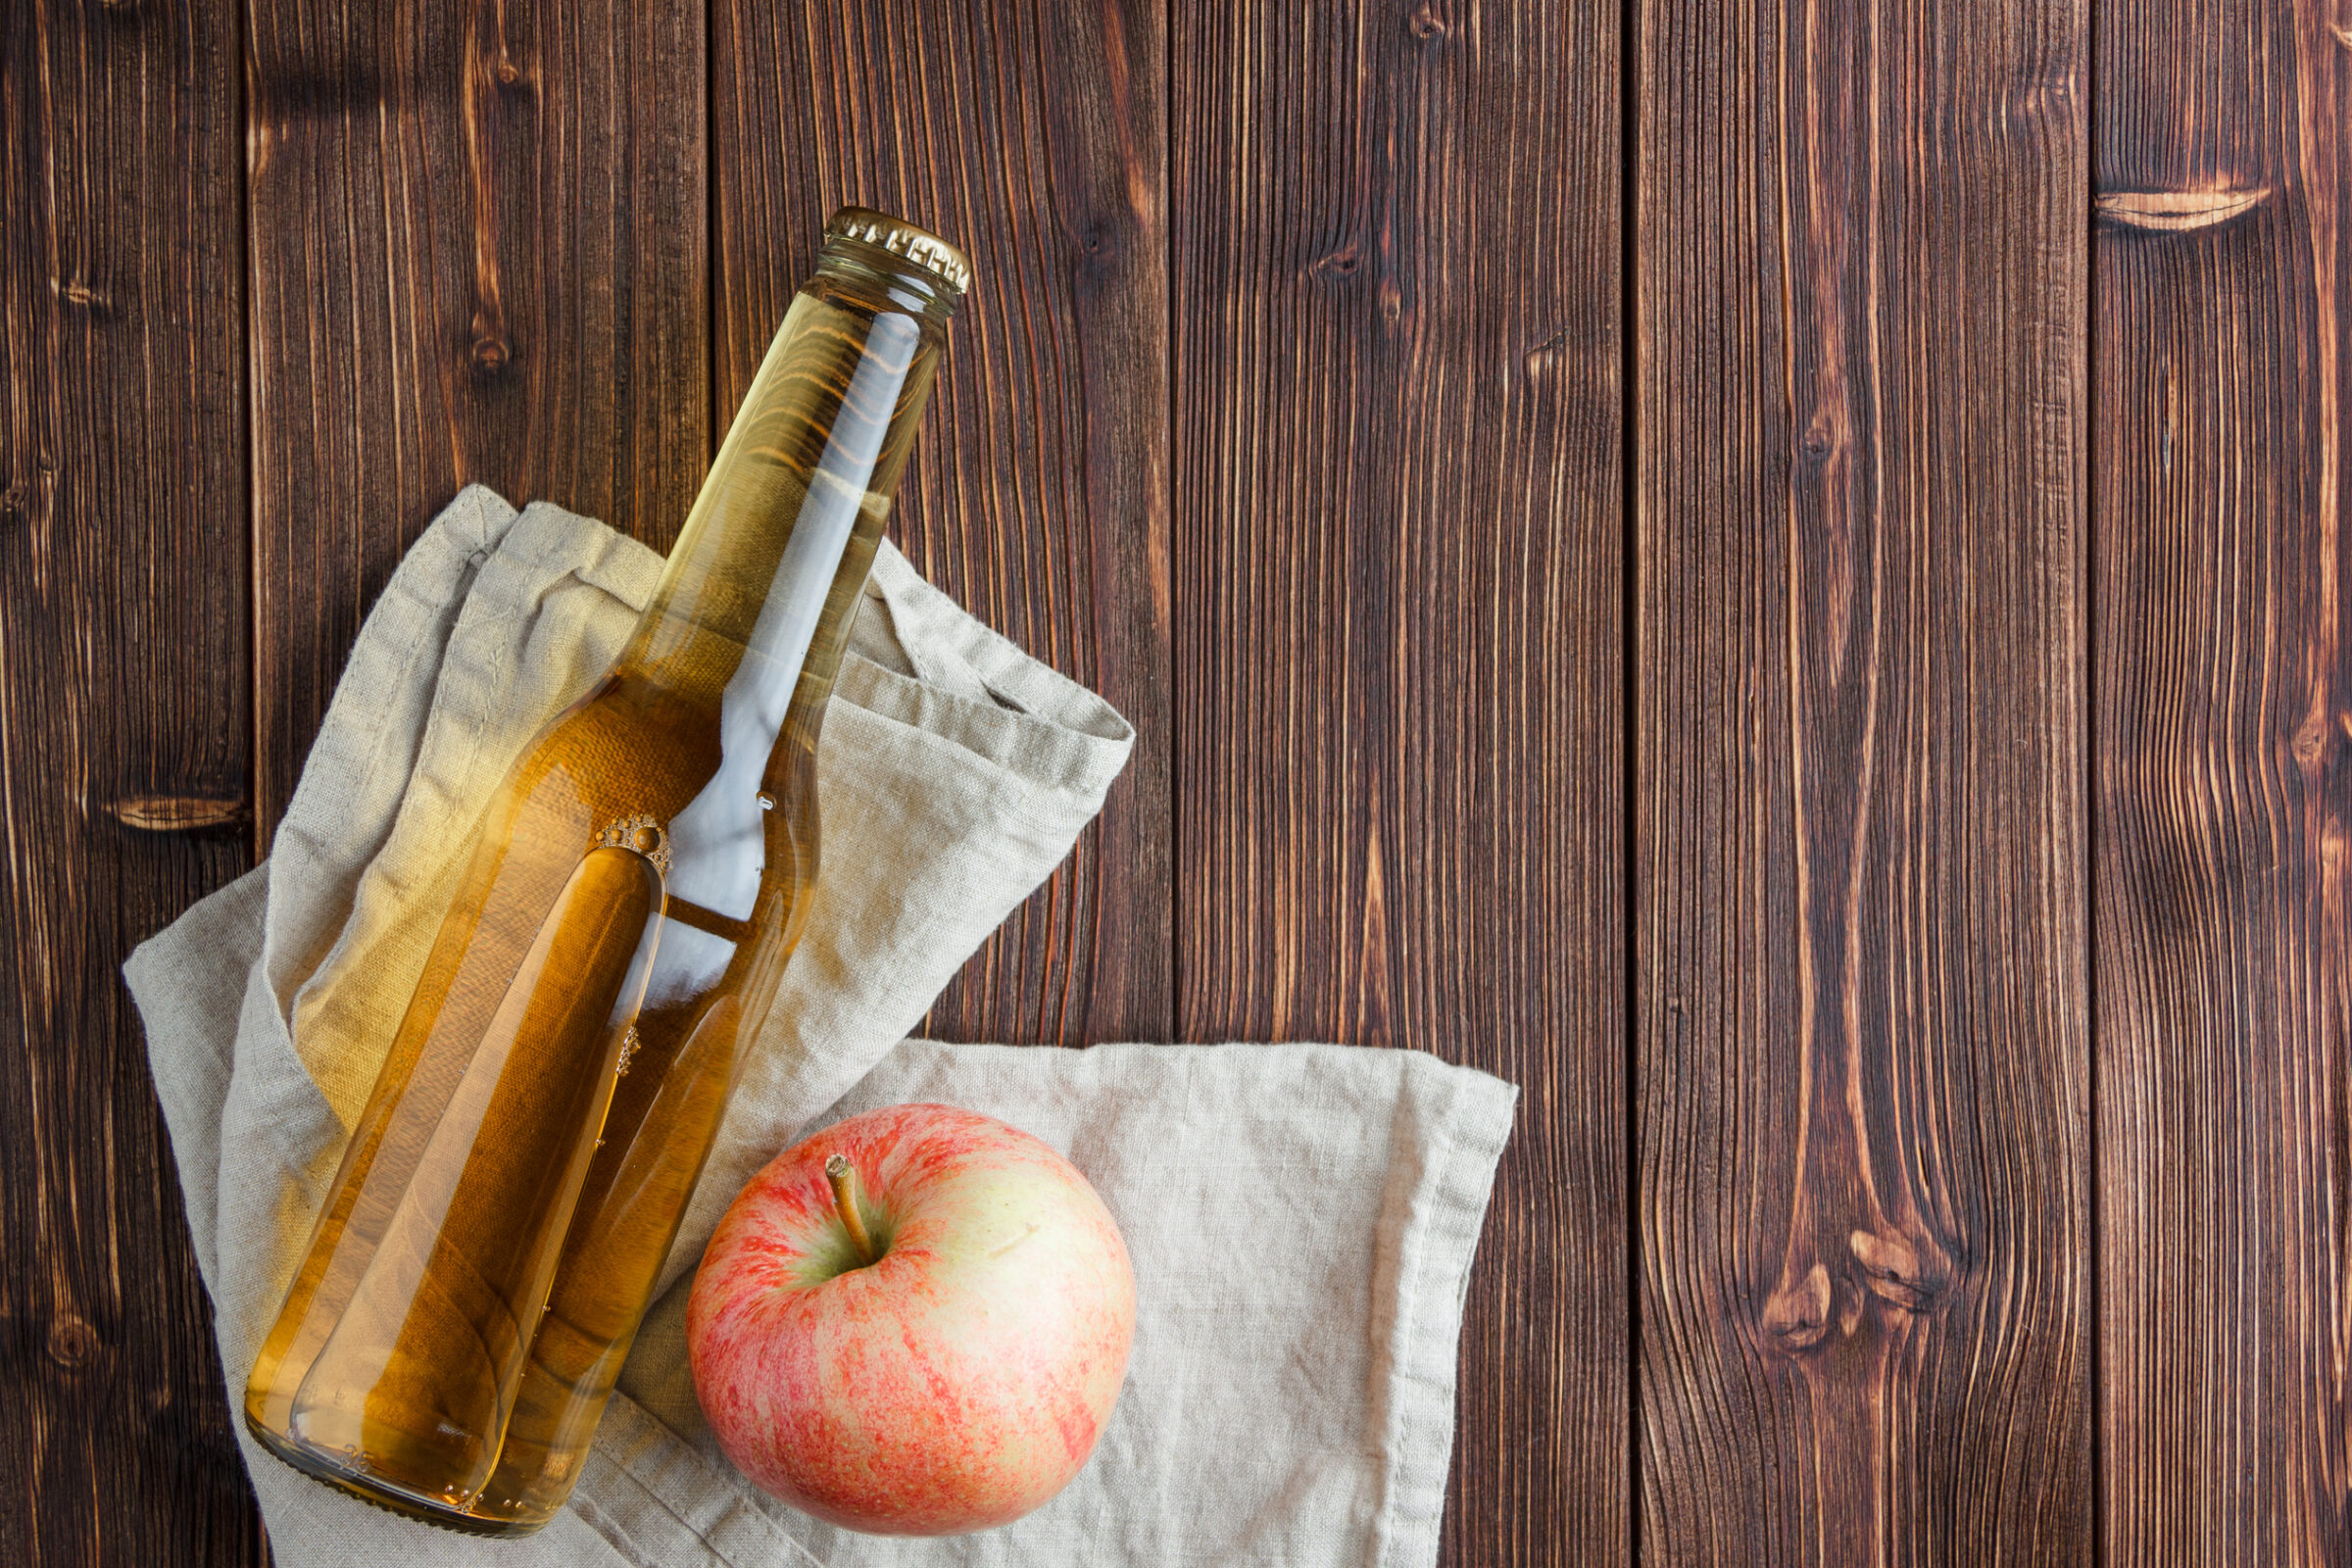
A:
(1818, 443)
(1897, 1272)
(1427, 25)
(1796, 1317)
(95, 300)
(2312, 737)
(490, 357)
(506, 74)
(1545, 355)
(71, 1342)
(1341, 263)
(178, 814)
(2174, 212)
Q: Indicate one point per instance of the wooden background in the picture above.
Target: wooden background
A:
(1771, 570)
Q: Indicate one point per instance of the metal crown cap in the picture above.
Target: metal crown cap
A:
(896, 235)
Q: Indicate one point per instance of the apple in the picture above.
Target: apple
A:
(914, 1323)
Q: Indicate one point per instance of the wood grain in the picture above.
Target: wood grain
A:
(478, 239)
(2225, 789)
(1289, 411)
(1399, 577)
(1029, 132)
(1860, 814)
(122, 676)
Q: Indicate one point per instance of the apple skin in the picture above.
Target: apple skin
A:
(955, 1383)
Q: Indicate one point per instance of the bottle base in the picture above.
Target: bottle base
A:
(382, 1494)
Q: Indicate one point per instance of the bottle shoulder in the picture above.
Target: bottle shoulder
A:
(634, 750)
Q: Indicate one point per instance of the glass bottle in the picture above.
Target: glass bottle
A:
(494, 1234)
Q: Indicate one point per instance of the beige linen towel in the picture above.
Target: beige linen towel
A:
(1291, 1394)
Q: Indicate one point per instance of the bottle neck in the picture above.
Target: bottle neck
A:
(756, 601)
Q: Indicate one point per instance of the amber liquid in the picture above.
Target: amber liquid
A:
(495, 1231)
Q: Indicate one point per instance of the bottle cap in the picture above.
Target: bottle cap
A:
(900, 239)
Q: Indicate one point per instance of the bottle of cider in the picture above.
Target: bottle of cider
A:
(494, 1234)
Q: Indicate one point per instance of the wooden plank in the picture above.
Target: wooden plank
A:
(1029, 133)
(1860, 816)
(478, 254)
(1399, 577)
(123, 684)
(2224, 805)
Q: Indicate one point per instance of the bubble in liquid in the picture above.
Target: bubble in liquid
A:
(768, 801)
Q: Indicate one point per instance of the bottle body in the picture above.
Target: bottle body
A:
(493, 1237)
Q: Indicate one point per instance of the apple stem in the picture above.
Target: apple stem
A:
(844, 1177)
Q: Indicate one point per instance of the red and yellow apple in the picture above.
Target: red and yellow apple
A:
(914, 1322)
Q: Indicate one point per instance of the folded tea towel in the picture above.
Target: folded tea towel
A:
(1301, 1218)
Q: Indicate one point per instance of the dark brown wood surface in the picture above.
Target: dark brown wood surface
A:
(1399, 588)
(1860, 833)
(1718, 561)
(1861, 814)
(125, 703)
(2225, 784)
